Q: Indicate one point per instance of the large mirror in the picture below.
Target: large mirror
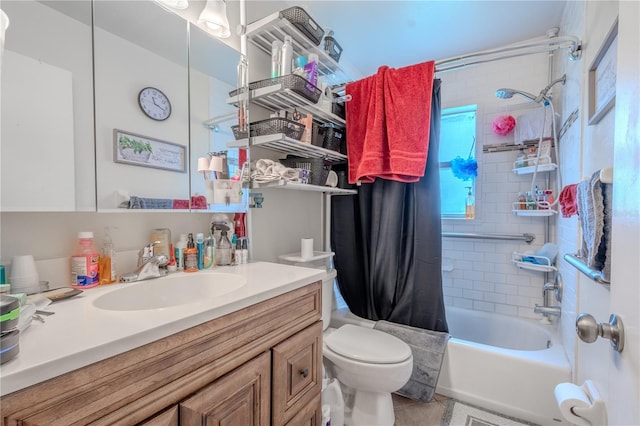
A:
(46, 142)
(212, 75)
(142, 137)
(140, 159)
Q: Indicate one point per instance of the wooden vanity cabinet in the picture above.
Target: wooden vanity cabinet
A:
(260, 365)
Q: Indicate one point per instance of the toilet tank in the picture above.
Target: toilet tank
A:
(319, 260)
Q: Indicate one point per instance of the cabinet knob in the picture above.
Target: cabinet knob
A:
(304, 372)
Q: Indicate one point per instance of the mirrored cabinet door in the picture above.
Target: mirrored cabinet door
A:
(212, 75)
(47, 144)
(142, 106)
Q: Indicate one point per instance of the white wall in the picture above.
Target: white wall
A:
(483, 276)
(122, 70)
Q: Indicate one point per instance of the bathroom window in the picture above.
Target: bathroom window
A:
(457, 139)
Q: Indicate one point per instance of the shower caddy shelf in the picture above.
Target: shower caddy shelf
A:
(280, 143)
(275, 98)
(517, 259)
(262, 33)
(538, 212)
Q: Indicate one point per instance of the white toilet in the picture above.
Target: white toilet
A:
(372, 364)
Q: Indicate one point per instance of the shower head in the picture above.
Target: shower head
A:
(542, 97)
(505, 93)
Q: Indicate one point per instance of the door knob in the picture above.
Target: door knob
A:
(588, 330)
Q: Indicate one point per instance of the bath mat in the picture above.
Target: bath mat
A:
(462, 414)
(428, 348)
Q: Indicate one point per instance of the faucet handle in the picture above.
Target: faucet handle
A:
(146, 252)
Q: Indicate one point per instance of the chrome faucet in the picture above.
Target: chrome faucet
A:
(547, 310)
(150, 265)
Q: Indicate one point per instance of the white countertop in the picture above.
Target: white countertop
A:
(79, 334)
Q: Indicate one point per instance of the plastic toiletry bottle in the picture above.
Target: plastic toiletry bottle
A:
(209, 252)
(245, 251)
(85, 262)
(180, 247)
(200, 248)
(470, 205)
(223, 248)
(107, 268)
(276, 53)
(522, 201)
(531, 202)
(191, 256)
(520, 160)
(286, 56)
(312, 69)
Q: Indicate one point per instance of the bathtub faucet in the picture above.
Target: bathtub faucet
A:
(547, 310)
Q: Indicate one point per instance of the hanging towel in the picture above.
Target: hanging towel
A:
(567, 200)
(591, 209)
(365, 123)
(388, 123)
(428, 348)
(530, 125)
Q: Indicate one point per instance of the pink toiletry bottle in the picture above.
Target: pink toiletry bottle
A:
(85, 262)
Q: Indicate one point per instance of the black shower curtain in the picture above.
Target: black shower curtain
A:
(387, 241)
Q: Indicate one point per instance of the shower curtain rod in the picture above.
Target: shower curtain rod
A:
(528, 47)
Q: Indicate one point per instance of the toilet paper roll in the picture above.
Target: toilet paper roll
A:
(306, 248)
(568, 397)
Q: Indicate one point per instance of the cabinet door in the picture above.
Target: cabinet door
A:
(311, 415)
(169, 417)
(240, 398)
(297, 373)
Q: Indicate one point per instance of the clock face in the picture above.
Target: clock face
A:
(154, 103)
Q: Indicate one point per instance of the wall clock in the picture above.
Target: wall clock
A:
(154, 103)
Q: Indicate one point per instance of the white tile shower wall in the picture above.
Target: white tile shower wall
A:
(567, 229)
(483, 276)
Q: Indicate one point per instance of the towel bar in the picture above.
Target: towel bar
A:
(579, 264)
(528, 238)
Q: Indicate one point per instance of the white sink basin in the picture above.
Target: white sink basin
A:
(173, 290)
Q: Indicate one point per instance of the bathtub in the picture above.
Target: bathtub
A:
(504, 364)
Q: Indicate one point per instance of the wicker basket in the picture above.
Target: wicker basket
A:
(319, 168)
(332, 48)
(292, 82)
(333, 138)
(271, 126)
(304, 23)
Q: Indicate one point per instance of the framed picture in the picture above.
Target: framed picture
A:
(138, 150)
(602, 77)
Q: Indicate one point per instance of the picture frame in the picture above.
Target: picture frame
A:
(602, 77)
(138, 150)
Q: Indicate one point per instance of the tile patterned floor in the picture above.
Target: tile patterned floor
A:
(414, 413)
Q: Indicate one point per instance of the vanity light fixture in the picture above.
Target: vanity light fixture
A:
(216, 165)
(175, 4)
(214, 16)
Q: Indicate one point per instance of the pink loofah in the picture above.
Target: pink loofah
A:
(503, 125)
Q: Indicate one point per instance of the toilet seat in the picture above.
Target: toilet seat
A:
(367, 345)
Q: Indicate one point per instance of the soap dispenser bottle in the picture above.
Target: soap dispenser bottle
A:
(470, 205)
(107, 265)
(191, 256)
(223, 247)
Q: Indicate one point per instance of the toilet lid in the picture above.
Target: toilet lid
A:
(367, 345)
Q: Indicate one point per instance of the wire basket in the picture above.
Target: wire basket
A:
(292, 82)
(318, 167)
(332, 48)
(304, 23)
(271, 126)
(333, 138)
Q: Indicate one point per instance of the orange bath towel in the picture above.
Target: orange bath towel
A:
(388, 122)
